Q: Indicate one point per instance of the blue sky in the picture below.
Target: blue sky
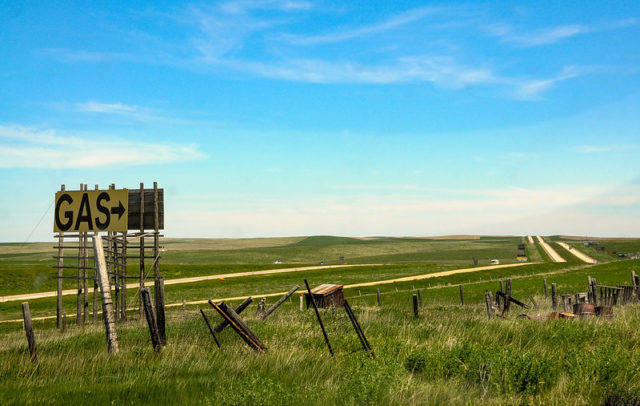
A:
(272, 118)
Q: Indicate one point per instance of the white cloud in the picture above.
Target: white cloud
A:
(547, 36)
(118, 109)
(586, 149)
(550, 35)
(348, 34)
(535, 88)
(25, 147)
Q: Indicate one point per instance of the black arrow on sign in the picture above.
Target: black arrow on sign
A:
(118, 210)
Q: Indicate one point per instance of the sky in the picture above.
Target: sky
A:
(289, 118)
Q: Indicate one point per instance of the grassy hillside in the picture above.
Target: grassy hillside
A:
(449, 354)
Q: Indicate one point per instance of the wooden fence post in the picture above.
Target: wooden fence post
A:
(105, 291)
(420, 297)
(279, 302)
(160, 314)
(461, 296)
(145, 298)
(487, 301)
(64, 322)
(301, 302)
(546, 291)
(378, 295)
(184, 309)
(594, 290)
(415, 305)
(507, 302)
(28, 328)
(554, 296)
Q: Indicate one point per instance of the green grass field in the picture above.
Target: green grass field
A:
(449, 354)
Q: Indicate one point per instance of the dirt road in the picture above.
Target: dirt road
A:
(530, 239)
(555, 257)
(40, 295)
(580, 255)
(355, 285)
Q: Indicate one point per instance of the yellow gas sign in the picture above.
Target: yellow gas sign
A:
(93, 210)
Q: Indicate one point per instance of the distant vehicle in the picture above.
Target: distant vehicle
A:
(323, 263)
(495, 262)
(276, 262)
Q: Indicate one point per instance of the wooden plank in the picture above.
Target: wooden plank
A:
(28, 328)
(279, 302)
(105, 291)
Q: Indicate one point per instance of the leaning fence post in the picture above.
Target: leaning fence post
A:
(415, 305)
(105, 291)
(28, 328)
(279, 302)
(554, 296)
(160, 316)
(151, 320)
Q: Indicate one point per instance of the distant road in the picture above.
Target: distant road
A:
(530, 239)
(355, 285)
(555, 257)
(579, 254)
(53, 293)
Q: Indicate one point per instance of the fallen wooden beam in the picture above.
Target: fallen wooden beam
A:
(508, 298)
(224, 323)
(239, 326)
(279, 302)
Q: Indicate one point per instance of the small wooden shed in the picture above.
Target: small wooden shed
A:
(325, 295)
